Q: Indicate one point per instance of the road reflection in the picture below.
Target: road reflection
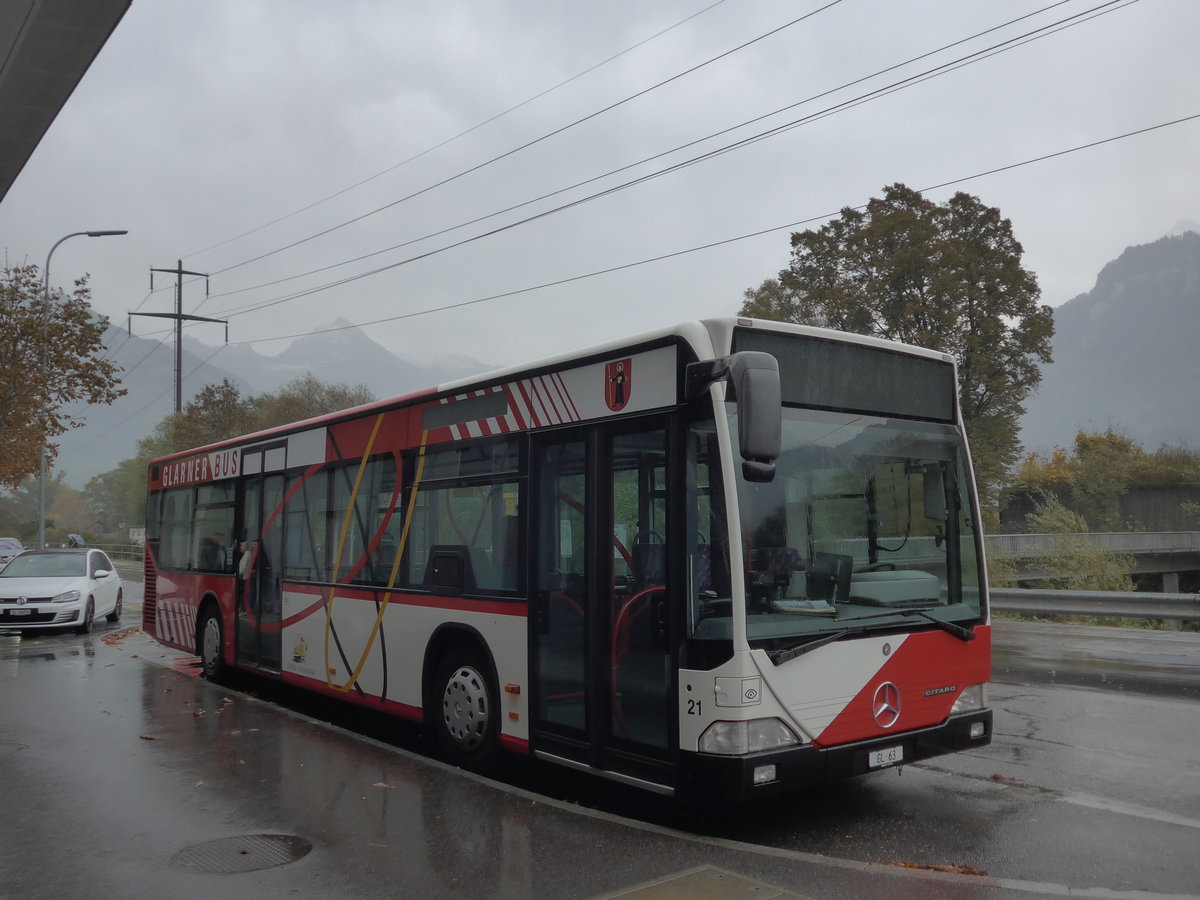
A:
(363, 802)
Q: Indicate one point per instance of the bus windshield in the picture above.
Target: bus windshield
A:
(868, 524)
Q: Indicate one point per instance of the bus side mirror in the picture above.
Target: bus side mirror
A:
(755, 379)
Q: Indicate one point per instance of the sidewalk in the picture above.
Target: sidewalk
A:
(120, 767)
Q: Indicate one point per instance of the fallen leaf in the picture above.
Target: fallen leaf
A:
(380, 784)
(200, 783)
(952, 869)
(146, 737)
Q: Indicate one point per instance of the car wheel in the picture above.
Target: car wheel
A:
(466, 714)
(212, 644)
(115, 615)
(89, 615)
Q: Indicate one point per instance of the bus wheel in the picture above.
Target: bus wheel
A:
(212, 644)
(465, 713)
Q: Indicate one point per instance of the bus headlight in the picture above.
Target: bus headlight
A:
(740, 738)
(970, 699)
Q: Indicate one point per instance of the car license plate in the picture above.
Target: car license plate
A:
(888, 756)
(20, 612)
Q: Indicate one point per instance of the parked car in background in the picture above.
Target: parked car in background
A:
(9, 547)
(59, 588)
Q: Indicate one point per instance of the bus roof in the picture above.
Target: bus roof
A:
(709, 338)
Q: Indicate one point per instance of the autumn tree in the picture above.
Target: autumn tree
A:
(1098, 470)
(50, 356)
(943, 276)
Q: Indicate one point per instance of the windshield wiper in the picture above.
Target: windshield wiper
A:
(783, 655)
(963, 634)
(788, 653)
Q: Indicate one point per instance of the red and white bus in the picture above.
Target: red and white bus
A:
(733, 557)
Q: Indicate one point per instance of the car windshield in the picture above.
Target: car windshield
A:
(46, 565)
(866, 525)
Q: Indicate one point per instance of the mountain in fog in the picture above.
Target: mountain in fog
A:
(345, 356)
(1125, 353)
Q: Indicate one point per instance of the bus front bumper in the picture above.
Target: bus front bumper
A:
(733, 779)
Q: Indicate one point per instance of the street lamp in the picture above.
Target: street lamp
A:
(45, 352)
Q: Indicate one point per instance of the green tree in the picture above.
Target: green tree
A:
(306, 397)
(216, 413)
(1074, 563)
(943, 276)
(32, 394)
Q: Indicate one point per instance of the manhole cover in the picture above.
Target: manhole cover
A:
(244, 853)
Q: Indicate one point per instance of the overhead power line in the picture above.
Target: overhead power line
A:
(845, 105)
(532, 142)
(465, 132)
(146, 407)
(723, 242)
(910, 81)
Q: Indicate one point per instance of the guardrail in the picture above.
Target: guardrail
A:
(122, 553)
(1119, 604)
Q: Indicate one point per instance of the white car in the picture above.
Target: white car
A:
(9, 547)
(59, 588)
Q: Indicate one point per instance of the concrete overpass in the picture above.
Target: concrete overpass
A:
(1165, 553)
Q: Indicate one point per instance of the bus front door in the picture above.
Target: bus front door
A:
(259, 631)
(601, 617)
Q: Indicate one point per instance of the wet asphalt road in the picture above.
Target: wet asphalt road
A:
(114, 758)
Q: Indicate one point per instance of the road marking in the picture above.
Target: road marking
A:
(1130, 809)
(704, 883)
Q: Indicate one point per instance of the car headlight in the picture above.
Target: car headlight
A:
(65, 597)
(970, 699)
(740, 738)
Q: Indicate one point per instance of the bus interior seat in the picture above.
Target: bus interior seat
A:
(649, 563)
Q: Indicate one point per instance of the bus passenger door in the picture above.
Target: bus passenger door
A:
(601, 617)
(260, 601)
(562, 597)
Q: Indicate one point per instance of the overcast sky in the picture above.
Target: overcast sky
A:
(199, 123)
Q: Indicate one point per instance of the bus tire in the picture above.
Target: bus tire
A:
(211, 643)
(466, 709)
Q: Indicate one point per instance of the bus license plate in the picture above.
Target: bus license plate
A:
(888, 756)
